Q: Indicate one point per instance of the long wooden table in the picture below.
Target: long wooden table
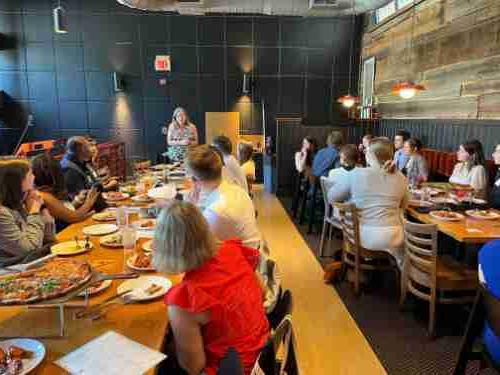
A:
(146, 323)
(467, 230)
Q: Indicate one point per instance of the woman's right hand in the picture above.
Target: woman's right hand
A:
(34, 202)
(92, 196)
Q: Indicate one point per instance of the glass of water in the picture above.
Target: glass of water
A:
(121, 216)
(129, 239)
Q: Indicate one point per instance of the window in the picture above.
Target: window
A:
(386, 11)
(403, 3)
(367, 83)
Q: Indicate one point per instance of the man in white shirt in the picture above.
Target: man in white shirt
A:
(227, 207)
(231, 171)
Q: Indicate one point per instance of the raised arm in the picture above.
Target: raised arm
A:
(60, 212)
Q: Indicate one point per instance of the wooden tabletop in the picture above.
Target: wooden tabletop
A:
(145, 323)
(467, 230)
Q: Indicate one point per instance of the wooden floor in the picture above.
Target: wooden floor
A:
(328, 338)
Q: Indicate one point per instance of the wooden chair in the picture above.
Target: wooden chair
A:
(353, 254)
(486, 308)
(330, 221)
(430, 277)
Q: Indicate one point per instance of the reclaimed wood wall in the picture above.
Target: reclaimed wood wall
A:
(455, 53)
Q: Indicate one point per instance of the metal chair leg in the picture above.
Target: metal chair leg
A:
(322, 240)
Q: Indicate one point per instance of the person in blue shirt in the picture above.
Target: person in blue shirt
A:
(489, 276)
(400, 158)
(328, 157)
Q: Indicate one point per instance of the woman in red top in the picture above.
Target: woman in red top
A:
(219, 303)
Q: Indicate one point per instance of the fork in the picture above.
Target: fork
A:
(127, 299)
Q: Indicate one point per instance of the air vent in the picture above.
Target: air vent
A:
(323, 3)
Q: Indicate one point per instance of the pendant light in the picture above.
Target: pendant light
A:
(349, 100)
(408, 89)
(59, 14)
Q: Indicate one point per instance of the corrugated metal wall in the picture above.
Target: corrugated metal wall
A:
(445, 135)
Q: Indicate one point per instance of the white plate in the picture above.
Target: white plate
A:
(442, 200)
(492, 215)
(139, 285)
(137, 224)
(104, 285)
(161, 167)
(148, 246)
(457, 217)
(100, 229)
(70, 248)
(122, 197)
(34, 346)
(419, 203)
(164, 192)
(108, 215)
(142, 198)
(430, 191)
(103, 240)
(130, 264)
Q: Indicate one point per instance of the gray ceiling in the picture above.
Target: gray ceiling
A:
(271, 7)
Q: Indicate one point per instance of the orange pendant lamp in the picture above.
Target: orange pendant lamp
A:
(408, 89)
(348, 100)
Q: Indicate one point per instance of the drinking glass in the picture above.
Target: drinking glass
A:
(129, 238)
(121, 216)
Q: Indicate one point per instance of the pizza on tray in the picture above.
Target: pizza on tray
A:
(54, 279)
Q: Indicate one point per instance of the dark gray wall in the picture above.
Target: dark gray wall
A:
(300, 66)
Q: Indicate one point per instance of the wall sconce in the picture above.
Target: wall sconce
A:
(118, 85)
(60, 26)
(247, 84)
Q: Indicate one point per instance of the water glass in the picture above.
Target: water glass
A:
(121, 216)
(129, 239)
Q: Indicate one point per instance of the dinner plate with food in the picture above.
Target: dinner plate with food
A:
(443, 200)
(148, 246)
(145, 224)
(96, 288)
(113, 240)
(142, 198)
(446, 215)
(107, 215)
(100, 229)
(483, 214)
(141, 262)
(166, 192)
(145, 288)
(128, 189)
(71, 248)
(115, 196)
(419, 203)
(20, 356)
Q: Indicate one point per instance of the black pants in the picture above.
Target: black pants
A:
(170, 366)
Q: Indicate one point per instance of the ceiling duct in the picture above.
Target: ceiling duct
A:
(324, 8)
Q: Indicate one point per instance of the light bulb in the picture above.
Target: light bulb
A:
(348, 103)
(407, 93)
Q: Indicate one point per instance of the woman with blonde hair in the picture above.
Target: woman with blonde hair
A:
(379, 192)
(24, 224)
(181, 134)
(218, 304)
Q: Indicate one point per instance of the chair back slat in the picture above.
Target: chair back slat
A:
(350, 224)
(421, 249)
(492, 310)
(324, 193)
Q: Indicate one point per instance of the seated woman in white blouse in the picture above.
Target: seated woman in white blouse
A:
(379, 192)
(470, 169)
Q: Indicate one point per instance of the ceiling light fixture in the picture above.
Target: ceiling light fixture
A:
(349, 100)
(407, 89)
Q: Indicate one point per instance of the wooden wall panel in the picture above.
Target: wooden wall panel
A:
(455, 53)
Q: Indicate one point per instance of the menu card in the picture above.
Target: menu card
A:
(111, 354)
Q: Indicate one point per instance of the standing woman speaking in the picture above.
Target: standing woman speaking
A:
(181, 134)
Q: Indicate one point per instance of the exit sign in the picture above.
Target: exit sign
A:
(162, 63)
